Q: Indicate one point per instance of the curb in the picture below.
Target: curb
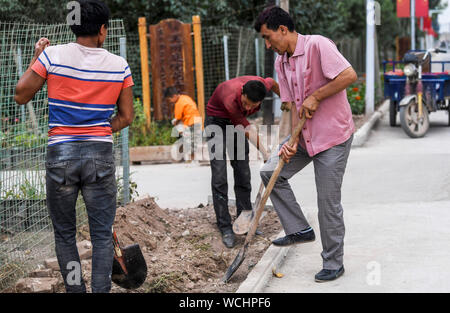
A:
(262, 272)
(363, 133)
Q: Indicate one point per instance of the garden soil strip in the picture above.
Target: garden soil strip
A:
(183, 248)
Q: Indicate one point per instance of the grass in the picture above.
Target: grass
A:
(163, 282)
(195, 239)
(203, 246)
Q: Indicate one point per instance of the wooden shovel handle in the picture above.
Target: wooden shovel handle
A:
(118, 252)
(271, 183)
(258, 196)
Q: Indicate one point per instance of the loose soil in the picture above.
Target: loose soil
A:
(183, 248)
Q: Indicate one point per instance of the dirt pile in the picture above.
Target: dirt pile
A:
(183, 248)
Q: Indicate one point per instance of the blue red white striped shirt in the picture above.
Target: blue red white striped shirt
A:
(84, 85)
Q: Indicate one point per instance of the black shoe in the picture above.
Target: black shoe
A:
(328, 275)
(228, 238)
(295, 238)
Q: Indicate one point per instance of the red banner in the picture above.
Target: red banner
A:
(427, 23)
(403, 8)
(422, 8)
(428, 26)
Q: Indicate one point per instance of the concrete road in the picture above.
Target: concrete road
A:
(396, 198)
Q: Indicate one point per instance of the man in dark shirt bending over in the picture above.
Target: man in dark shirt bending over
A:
(230, 104)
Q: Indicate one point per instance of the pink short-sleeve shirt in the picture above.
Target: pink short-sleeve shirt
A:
(315, 62)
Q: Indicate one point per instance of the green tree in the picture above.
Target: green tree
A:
(10, 10)
(318, 17)
(48, 11)
(217, 12)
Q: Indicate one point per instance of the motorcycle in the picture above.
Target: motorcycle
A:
(423, 92)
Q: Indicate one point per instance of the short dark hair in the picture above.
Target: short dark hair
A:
(170, 91)
(254, 90)
(274, 17)
(94, 14)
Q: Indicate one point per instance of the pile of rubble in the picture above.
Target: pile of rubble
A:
(46, 278)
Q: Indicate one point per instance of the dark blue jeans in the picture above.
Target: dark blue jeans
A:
(87, 167)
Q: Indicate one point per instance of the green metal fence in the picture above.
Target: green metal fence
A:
(229, 52)
(26, 234)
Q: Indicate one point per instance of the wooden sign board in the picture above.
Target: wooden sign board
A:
(403, 44)
(171, 63)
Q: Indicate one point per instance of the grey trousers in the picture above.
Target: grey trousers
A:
(329, 169)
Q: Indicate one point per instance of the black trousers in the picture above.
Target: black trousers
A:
(238, 149)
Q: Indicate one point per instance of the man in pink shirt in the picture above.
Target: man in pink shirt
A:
(312, 75)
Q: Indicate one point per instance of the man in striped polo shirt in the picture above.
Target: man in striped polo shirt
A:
(85, 83)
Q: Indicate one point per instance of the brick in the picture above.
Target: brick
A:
(46, 272)
(85, 253)
(86, 244)
(84, 249)
(36, 285)
(52, 263)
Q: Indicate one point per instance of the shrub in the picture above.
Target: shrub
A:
(159, 133)
(356, 97)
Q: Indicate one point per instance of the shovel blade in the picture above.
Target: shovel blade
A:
(135, 265)
(235, 265)
(242, 223)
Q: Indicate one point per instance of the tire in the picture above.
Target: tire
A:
(449, 115)
(392, 113)
(408, 119)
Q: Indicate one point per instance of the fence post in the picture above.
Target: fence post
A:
(258, 70)
(144, 68)
(29, 104)
(124, 138)
(413, 24)
(286, 120)
(370, 57)
(20, 72)
(238, 61)
(197, 28)
(225, 53)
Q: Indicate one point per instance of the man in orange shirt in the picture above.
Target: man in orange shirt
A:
(187, 119)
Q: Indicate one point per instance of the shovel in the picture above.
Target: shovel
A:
(242, 224)
(241, 255)
(129, 267)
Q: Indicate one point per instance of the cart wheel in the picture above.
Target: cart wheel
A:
(392, 113)
(410, 122)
